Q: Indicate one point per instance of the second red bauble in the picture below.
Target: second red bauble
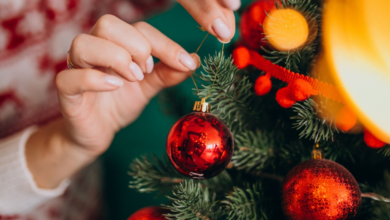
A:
(200, 145)
(322, 190)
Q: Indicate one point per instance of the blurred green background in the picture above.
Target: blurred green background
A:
(148, 133)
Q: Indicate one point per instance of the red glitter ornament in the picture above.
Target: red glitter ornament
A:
(251, 29)
(149, 213)
(200, 145)
(322, 190)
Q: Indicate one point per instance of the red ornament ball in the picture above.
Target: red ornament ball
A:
(149, 213)
(322, 190)
(200, 145)
(251, 29)
(372, 141)
(263, 84)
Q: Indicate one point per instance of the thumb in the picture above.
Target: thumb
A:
(164, 76)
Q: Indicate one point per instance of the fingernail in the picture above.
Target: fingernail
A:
(149, 64)
(224, 41)
(113, 80)
(221, 29)
(196, 56)
(134, 68)
(233, 4)
(187, 61)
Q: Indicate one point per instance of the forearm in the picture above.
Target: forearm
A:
(52, 156)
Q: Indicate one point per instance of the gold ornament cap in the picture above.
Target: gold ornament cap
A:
(317, 152)
(202, 106)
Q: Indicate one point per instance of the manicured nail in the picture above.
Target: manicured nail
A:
(196, 56)
(221, 29)
(224, 41)
(134, 68)
(232, 4)
(149, 64)
(113, 80)
(187, 61)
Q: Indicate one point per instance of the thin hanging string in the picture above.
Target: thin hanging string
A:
(192, 73)
(219, 66)
(216, 73)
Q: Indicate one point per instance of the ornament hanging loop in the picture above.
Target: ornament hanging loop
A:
(317, 152)
(202, 106)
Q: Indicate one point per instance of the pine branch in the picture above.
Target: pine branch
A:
(245, 204)
(254, 151)
(312, 125)
(230, 94)
(385, 150)
(191, 201)
(153, 174)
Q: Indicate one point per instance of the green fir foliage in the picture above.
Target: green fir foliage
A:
(152, 173)
(229, 95)
(269, 142)
(313, 126)
(245, 204)
(191, 201)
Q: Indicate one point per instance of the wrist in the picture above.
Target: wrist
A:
(52, 156)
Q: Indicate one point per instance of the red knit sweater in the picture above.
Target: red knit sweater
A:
(35, 36)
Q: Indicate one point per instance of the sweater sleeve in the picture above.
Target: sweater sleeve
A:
(19, 194)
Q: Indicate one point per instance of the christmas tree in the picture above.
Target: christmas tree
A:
(277, 109)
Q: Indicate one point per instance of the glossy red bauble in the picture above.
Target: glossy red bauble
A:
(322, 190)
(200, 145)
(251, 29)
(149, 213)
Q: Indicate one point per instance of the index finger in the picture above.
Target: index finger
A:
(168, 51)
(216, 19)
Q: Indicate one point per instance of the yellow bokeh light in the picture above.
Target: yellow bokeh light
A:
(286, 29)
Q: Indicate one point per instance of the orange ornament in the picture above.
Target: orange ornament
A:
(286, 29)
(300, 90)
(283, 98)
(345, 119)
(263, 84)
(372, 141)
(241, 57)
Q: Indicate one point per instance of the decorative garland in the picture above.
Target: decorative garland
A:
(243, 57)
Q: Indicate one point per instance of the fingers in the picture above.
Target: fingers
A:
(77, 81)
(165, 49)
(231, 4)
(124, 35)
(86, 52)
(215, 18)
(164, 76)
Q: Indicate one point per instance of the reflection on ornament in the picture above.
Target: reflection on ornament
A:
(149, 213)
(286, 29)
(320, 189)
(200, 145)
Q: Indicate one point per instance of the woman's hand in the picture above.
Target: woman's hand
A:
(216, 16)
(114, 81)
